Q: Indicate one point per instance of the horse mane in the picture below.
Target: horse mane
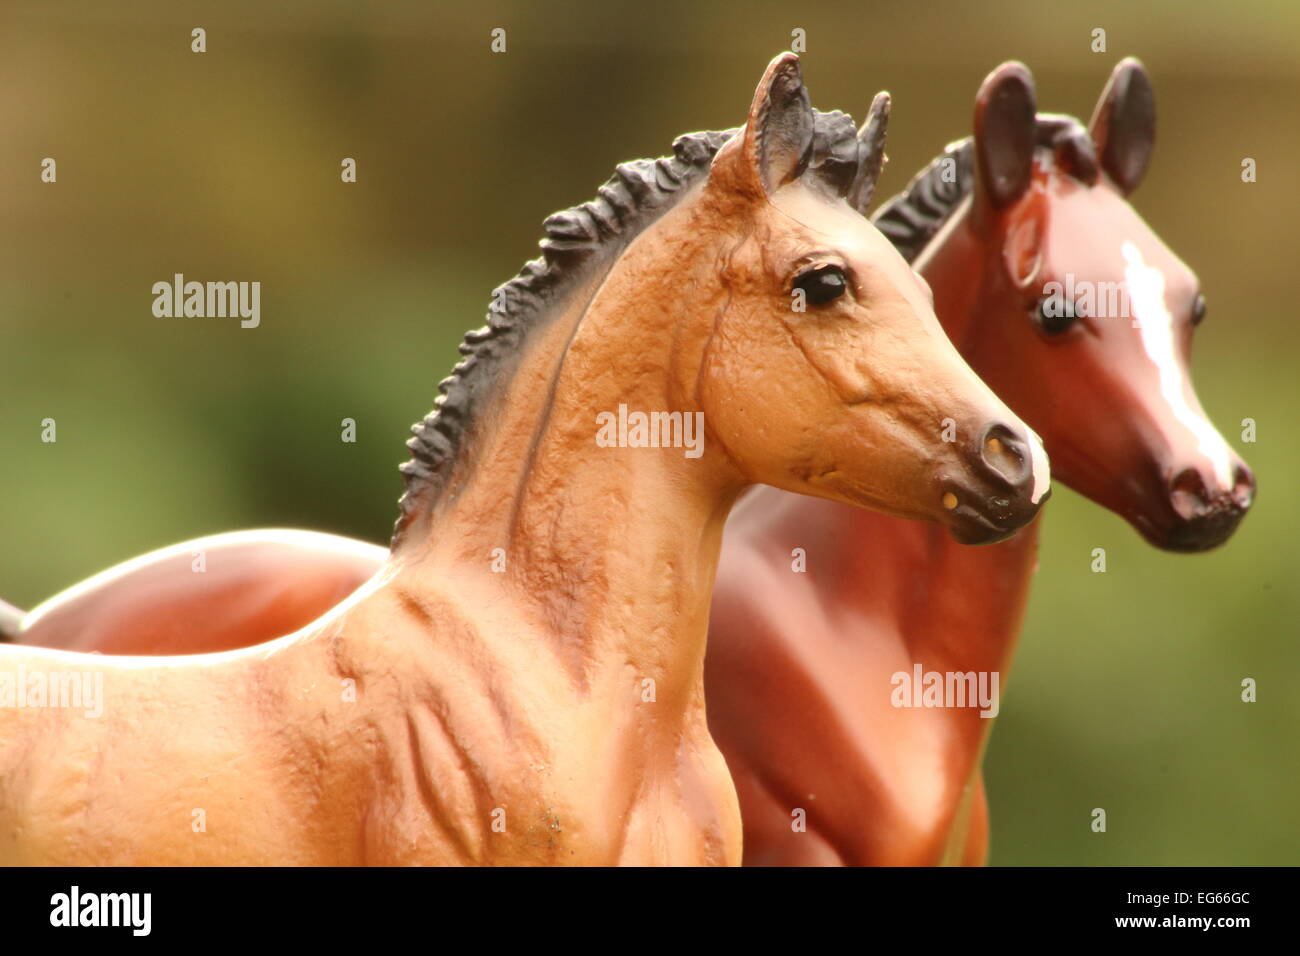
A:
(577, 240)
(915, 216)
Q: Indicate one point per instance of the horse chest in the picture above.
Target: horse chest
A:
(879, 777)
(577, 790)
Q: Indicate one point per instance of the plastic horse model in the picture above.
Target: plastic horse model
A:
(522, 681)
(1074, 312)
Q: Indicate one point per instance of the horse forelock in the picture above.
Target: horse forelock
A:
(1072, 148)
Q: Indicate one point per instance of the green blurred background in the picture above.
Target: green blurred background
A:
(225, 165)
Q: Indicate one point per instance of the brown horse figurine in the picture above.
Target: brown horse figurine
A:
(1019, 232)
(522, 680)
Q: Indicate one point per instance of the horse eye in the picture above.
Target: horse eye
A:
(1198, 310)
(822, 284)
(1055, 313)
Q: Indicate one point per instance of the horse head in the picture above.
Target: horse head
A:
(1085, 317)
(827, 372)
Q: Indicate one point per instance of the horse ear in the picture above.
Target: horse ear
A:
(1005, 127)
(871, 153)
(1123, 126)
(1023, 243)
(776, 143)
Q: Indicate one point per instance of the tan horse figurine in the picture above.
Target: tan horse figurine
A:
(522, 681)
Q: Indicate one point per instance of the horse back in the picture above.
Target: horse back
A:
(210, 594)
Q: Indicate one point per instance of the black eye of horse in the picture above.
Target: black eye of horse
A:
(1055, 313)
(1198, 310)
(822, 284)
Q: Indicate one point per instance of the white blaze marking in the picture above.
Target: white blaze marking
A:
(1038, 465)
(1146, 290)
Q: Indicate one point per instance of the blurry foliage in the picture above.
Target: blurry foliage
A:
(225, 165)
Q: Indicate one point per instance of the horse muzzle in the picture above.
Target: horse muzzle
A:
(1002, 490)
(1200, 514)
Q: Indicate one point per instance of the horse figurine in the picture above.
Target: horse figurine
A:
(521, 681)
(801, 668)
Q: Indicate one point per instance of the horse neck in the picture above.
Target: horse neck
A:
(994, 579)
(610, 552)
(954, 263)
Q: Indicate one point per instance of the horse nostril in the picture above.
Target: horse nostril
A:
(1207, 511)
(1188, 494)
(1003, 452)
(1243, 488)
